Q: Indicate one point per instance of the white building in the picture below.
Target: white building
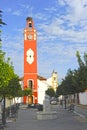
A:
(43, 85)
(83, 98)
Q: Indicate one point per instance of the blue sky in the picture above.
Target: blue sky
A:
(61, 30)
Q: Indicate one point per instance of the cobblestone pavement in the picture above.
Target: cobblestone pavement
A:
(27, 120)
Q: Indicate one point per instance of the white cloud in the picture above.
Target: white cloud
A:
(69, 27)
(58, 56)
(77, 9)
(17, 13)
(52, 9)
(61, 2)
(55, 31)
(58, 53)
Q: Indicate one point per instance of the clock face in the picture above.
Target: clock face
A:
(30, 37)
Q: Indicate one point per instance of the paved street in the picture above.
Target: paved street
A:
(66, 121)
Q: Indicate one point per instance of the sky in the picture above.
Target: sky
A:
(61, 31)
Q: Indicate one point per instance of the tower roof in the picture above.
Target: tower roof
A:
(38, 77)
(29, 19)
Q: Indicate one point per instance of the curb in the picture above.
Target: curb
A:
(81, 115)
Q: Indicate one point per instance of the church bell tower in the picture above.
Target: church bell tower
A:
(30, 60)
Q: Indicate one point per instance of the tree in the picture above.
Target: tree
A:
(75, 81)
(27, 91)
(1, 22)
(82, 71)
(50, 92)
(6, 74)
(67, 85)
(59, 91)
(14, 88)
(9, 84)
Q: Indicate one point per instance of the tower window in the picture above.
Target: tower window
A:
(54, 78)
(30, 25)
(30, 84)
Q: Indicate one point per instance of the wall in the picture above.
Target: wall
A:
(83, 98)
(42, 87)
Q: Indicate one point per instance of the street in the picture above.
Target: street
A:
(66, 121)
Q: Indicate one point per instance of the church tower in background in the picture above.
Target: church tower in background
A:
(54, 80)
(30, 60)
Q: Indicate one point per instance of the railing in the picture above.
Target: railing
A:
(10, 112)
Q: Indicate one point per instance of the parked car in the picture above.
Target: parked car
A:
(31, 105)
(40, 107)
(53, 102)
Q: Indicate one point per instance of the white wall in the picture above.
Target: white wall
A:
(83, 98)
(42, 87)
(49, 81)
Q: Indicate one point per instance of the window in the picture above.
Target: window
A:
(54, 78)
(30, 84)
(30, 25)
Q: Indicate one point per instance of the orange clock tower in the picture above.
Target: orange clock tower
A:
(30, 60)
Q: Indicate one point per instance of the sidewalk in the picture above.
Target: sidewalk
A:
(27, 121)
(81, 110)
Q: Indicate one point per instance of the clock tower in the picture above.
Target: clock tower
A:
(30, 61)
